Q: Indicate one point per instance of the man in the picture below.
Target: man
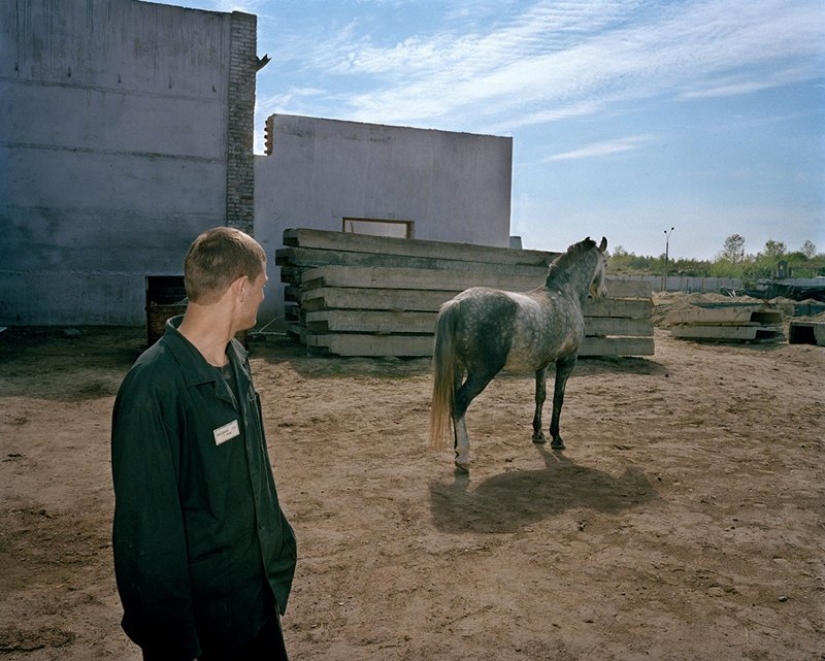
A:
(204, 556)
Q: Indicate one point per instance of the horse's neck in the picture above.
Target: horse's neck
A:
(575, 280)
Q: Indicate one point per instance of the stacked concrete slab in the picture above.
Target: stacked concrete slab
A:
(731, 322)
(359, 295)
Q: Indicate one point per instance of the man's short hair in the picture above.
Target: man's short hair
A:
(216, 259)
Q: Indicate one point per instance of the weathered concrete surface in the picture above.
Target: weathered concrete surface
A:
(369, 308)
(113, 152)
(452, 187)
(728, 333)
(725, 314)
(807, 332)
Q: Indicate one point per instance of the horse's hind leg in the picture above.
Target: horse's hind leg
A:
(564, 366)
(541, 395)
(469, 390)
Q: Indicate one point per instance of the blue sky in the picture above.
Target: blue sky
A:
(627, 117)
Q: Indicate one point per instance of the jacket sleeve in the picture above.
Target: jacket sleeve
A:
(149, 539)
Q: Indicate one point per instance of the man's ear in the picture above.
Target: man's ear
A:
(239, 287)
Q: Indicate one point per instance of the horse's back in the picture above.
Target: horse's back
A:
(546, 326)
(516, 331)
(537, 345)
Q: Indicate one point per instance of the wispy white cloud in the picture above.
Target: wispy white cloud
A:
(606, 148)
(247, 6)
(507, 125)
(557, 58)
(748, 82)
(289, 100)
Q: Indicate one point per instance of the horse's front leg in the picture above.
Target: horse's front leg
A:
(541, 395)
(564, 366)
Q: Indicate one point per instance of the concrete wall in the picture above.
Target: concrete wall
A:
(678, 283)
(126, 128)
(452, 186)
(114, 150)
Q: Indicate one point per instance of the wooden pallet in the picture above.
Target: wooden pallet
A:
(367, 344)
(354, 295)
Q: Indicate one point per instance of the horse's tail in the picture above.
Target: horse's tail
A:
(444, 373)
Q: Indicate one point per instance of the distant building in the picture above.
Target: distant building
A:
(384, 180)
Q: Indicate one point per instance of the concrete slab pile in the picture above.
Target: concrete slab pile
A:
(729, 322)
(359, 295)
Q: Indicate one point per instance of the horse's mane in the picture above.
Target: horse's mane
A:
(573, 253)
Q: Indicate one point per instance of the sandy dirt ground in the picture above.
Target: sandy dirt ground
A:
(683, 522)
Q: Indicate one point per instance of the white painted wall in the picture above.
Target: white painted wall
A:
(453, 186)
(112, 152)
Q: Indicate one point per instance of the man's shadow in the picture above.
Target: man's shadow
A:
(512, 500)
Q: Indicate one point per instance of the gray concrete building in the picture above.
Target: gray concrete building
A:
(126, 128)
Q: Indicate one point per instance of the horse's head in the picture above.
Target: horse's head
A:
(572, 268)
(597, 286)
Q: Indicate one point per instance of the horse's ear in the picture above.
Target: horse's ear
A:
(603, 244)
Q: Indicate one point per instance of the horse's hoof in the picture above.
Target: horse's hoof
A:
(539, 440)
(462, 467)
(557, 444)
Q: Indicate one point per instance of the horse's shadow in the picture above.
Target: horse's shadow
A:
(509, 501)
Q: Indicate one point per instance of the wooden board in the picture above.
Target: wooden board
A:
(738, 333)
(370, 321)
(372, 345)
(610, 326)
(411, 278)
(312, 258)
(630, 308)
(385, 321)
(360, 298)
(724, 314)
(516, 279)
(412, 346)
(337, 241)
(593, 347)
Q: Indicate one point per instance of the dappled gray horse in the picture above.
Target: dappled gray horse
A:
(482, 331)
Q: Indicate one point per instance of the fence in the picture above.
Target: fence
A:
(689, 285)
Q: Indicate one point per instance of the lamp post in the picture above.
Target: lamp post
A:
(667, 250)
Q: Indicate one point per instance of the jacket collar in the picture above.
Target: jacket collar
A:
(198, 370)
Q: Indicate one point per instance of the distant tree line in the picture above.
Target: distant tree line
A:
(731, 262)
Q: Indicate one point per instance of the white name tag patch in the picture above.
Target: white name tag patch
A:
(226, 433)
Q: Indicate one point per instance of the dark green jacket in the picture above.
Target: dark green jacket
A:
(198, 531)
